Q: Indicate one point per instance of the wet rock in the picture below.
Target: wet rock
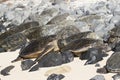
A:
(50, 59)
(116, 77)
(98, 77)
(55, 77)
(58, 70)
(67, 57)
(13, 42)
(25, 65)
(93, 55)
(6, 70)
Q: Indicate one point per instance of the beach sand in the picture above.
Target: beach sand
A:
(78, 70)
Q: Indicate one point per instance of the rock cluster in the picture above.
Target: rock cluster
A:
(54, 34)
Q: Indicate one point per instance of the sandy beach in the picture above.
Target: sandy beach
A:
(78, 70)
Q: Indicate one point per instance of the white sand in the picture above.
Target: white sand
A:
(78, 70)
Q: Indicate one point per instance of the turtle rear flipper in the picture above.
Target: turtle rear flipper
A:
(17, 59)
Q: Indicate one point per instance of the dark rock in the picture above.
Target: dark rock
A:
(55, 77)
(98, 77)
(97, 65)
(34, 68)
(67, 57)
(112, 64)
(116, 77)
(102, 70)
(93, 55)
(6, 70)
(117, 47)
(53, 58)
(25, 65)
(2, 50)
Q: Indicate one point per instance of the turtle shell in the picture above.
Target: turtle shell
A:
(14, 42)
(34, 48)
(17, 29)
(81, 45)
(113, 63)
(63, 42)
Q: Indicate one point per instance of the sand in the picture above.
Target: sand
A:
(78, 70)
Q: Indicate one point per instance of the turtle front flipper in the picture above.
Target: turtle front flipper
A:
(17, 59)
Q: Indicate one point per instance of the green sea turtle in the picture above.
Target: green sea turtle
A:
(81, 45)
(112, 64)
(62, 42)
(17, 29)
(36, 48)
(33, 33)
(13, 42)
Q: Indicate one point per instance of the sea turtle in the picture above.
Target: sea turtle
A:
(62, 42)
(82, 45)
(36, 48)
(13, 42)
(112, 64)
(114, 37)
(17, 29)
(33, 33)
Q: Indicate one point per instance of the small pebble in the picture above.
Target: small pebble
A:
(25, 65)
(97, 65)
(98, 77)
(6, 70)
(55, 77)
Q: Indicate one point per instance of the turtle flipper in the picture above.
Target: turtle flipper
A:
(17, 59)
